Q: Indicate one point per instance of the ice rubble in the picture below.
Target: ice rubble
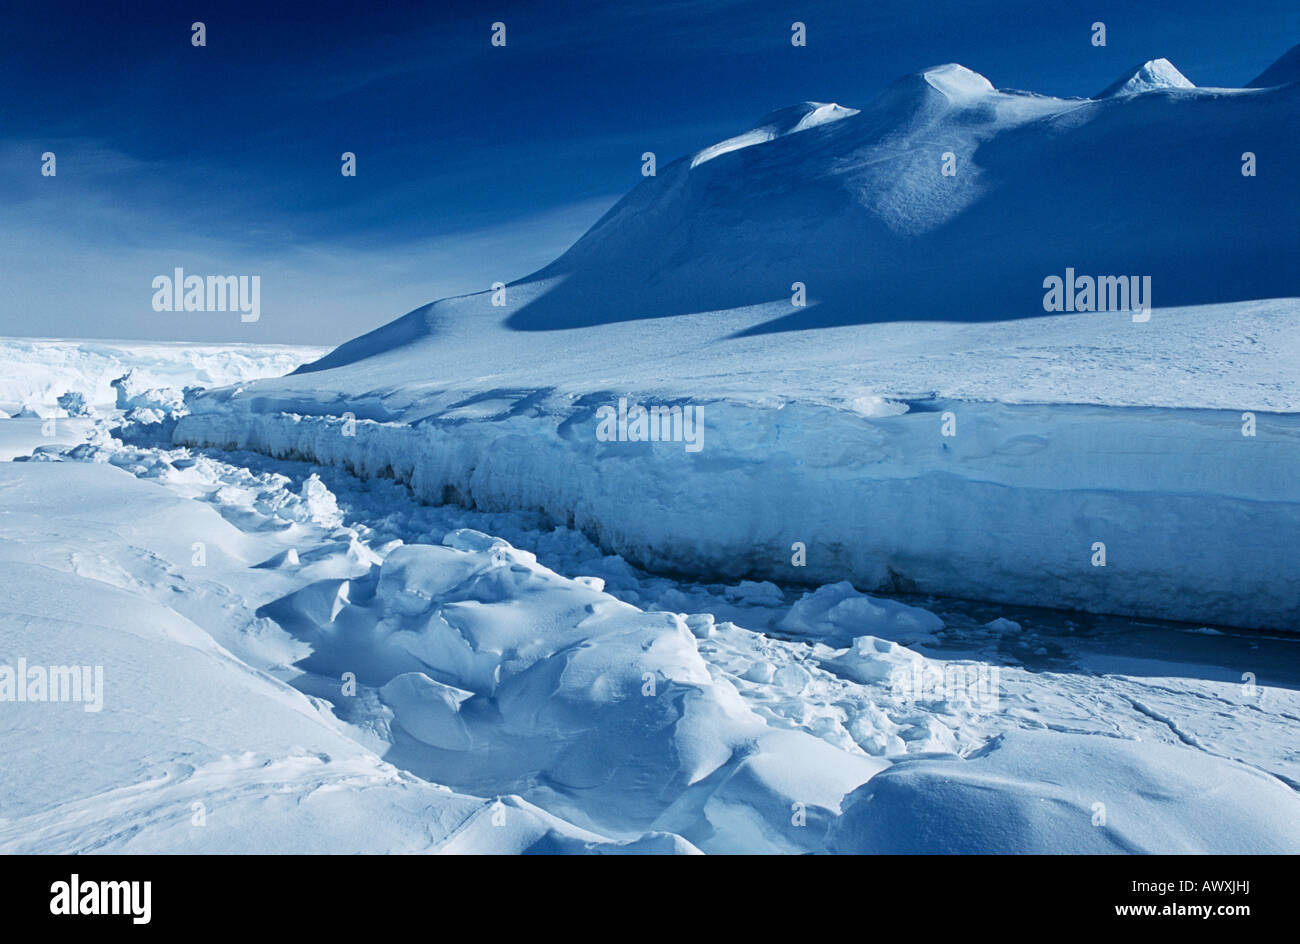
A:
(1011, 509)
(502, 672)
(37, 370)
(195, 750)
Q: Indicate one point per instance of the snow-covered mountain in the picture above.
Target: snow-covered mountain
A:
(925, 298)
(1146, 179)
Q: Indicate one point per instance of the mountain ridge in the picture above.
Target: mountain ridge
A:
(941, 198)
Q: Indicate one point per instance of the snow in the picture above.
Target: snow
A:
(38, 370)
(523, 690)
(1154, 74)
(781, 122)
(465, 669)
(194, 749)
(481, 670)
(20, 435)
(905, 598)
(884, 502)
(1122, 797)
(835, 612)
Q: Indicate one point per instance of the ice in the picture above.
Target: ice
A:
(458, 649)
(874, 660)
(37, 370)
(1121, 796)
(838, 612)
(74, 404)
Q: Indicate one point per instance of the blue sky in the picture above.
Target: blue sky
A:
(474, 163)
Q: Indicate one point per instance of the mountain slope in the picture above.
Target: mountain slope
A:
(860, 210)
(1283, 72)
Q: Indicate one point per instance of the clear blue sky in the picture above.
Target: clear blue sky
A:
(475, 163)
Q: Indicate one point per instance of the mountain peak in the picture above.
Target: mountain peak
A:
(776, 124)
(1152, 74)
(955, 81)
(804, 115)
(1283, 72)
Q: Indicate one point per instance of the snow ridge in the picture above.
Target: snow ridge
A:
(1152, 74)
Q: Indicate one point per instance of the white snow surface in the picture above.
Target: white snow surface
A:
(193, 750)
(36, 371)
(781, 122)
(1154, 74)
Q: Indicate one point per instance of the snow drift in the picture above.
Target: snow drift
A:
(1121, 796)
(603, 714)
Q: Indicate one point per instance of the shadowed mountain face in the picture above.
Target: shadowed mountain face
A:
(1283, 72)
(943, 199)
(1146, 181)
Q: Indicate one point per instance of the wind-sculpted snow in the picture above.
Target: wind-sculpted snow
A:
(783, 121)
(191, 749)
(859, 210)
(501, 673)
(1156, 74)
(1121, 797)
